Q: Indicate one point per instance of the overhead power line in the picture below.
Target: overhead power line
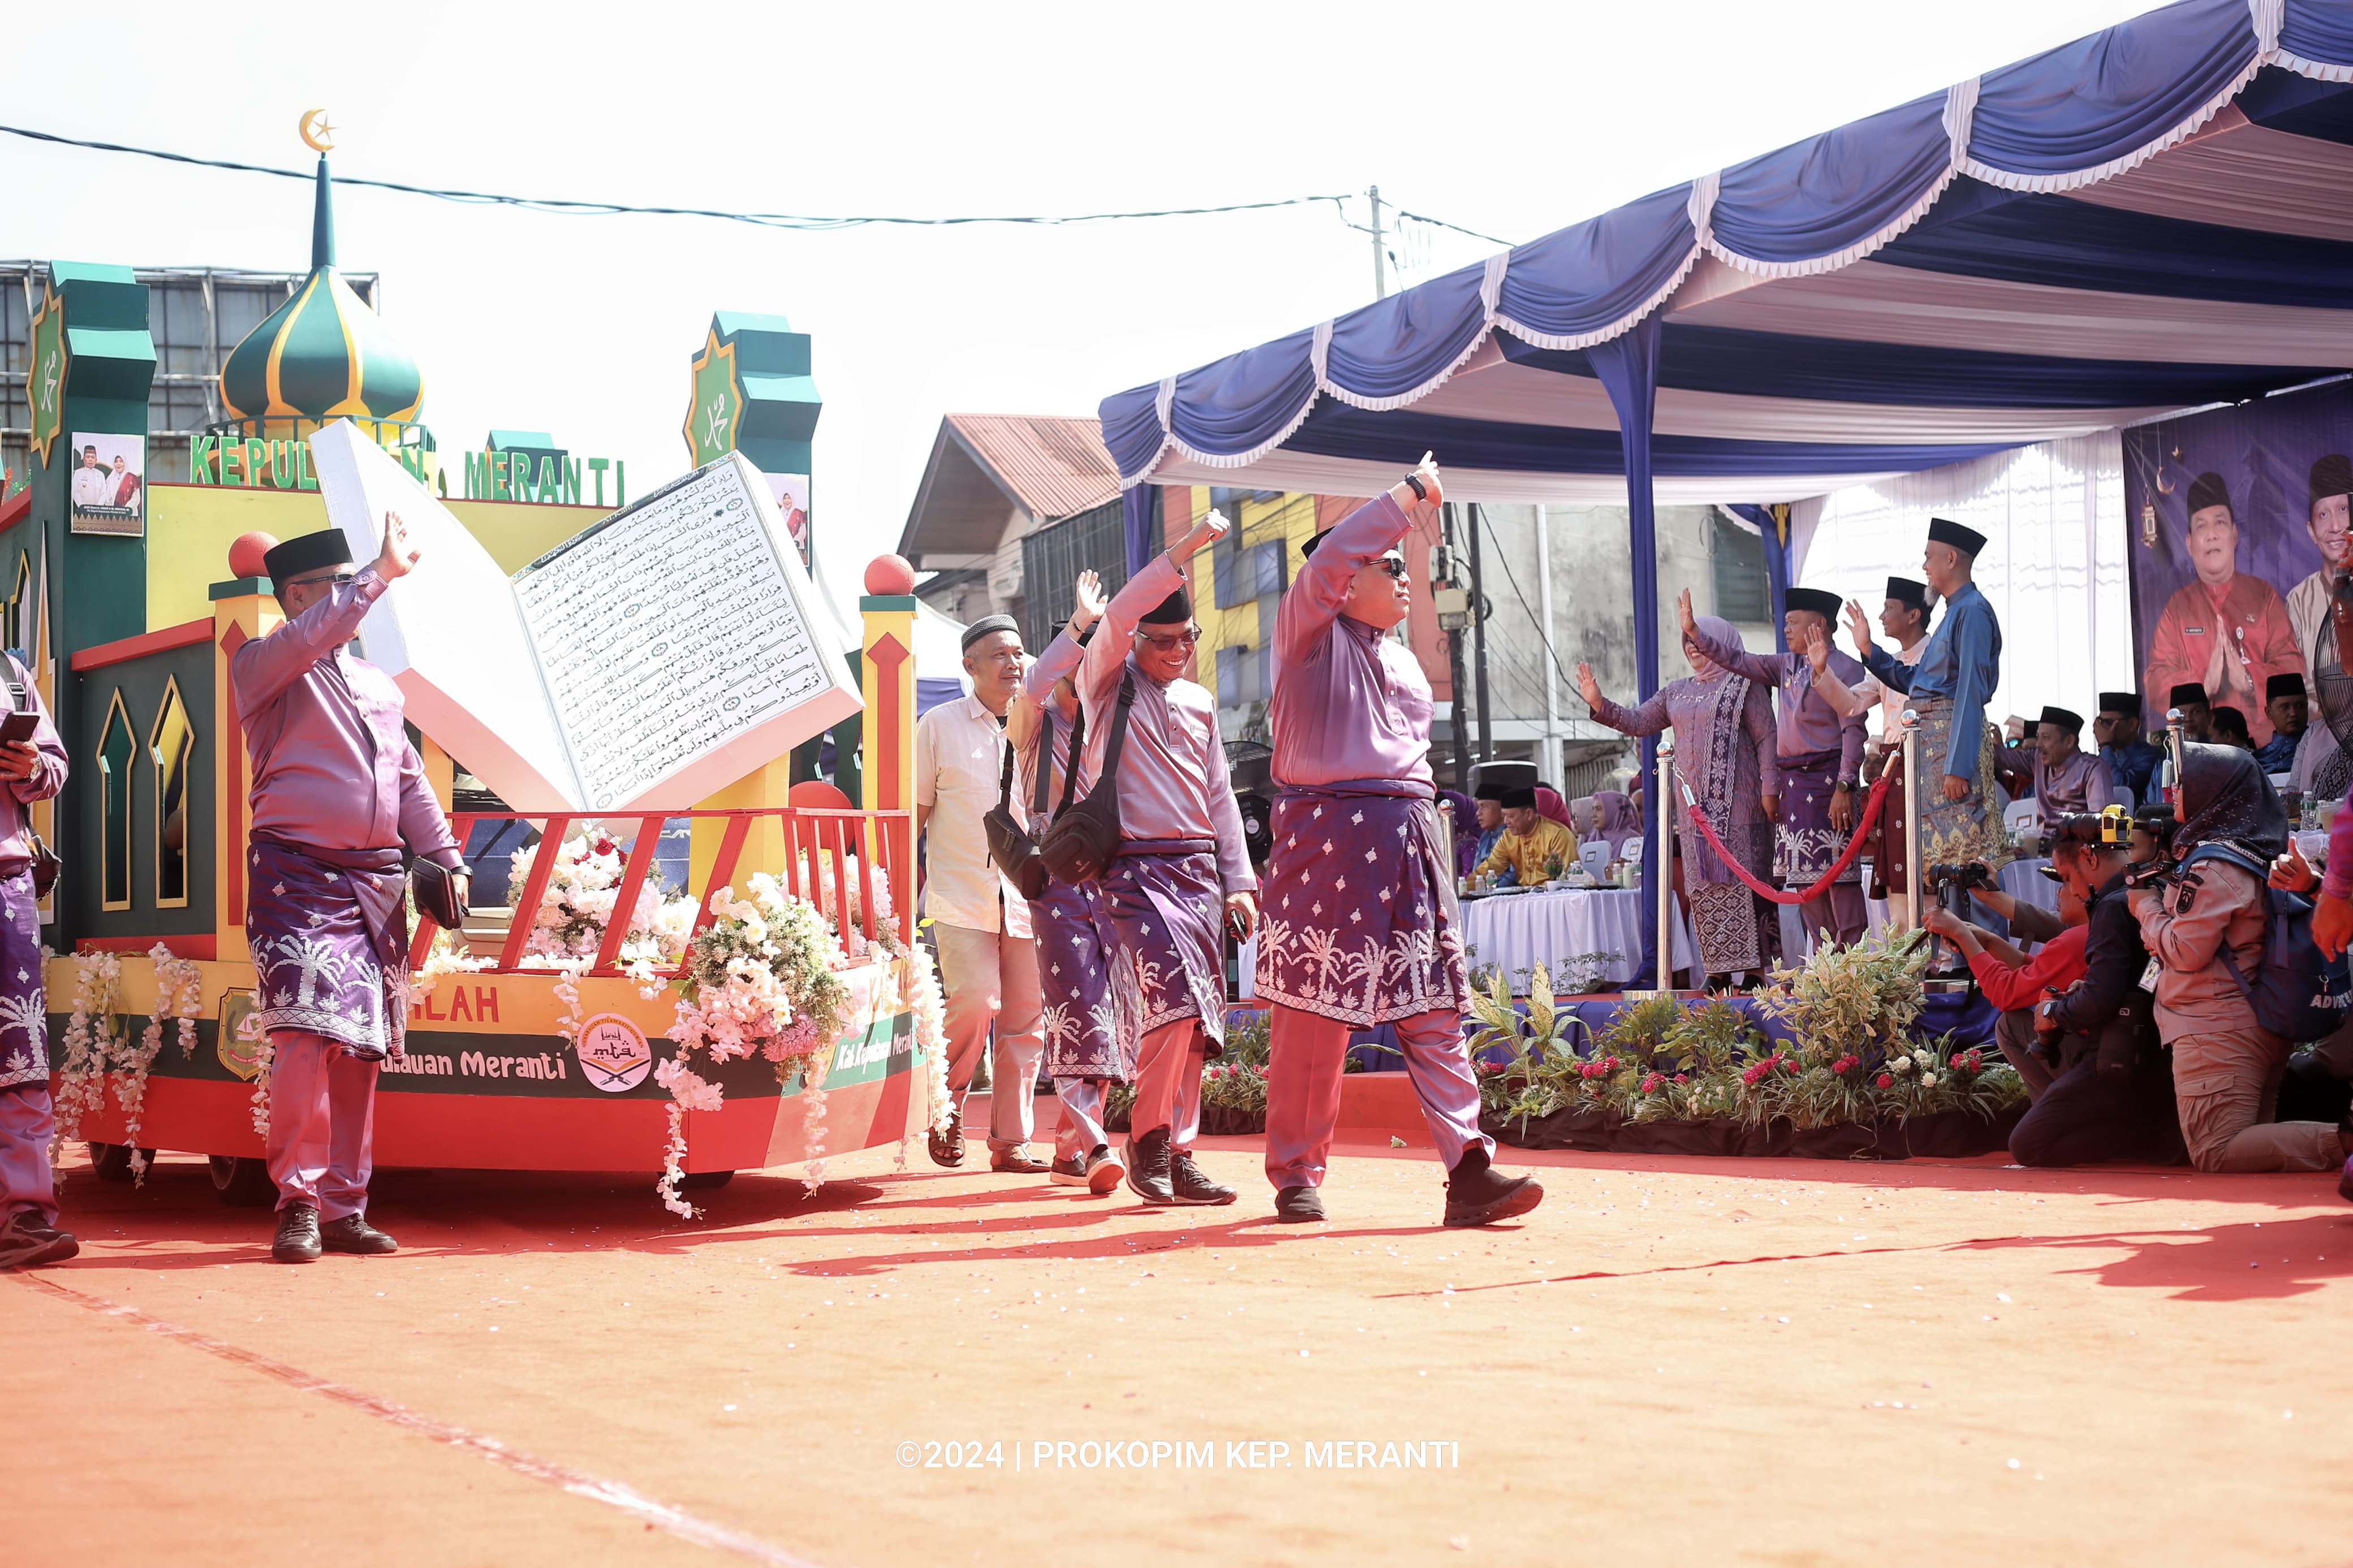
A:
(800, 221)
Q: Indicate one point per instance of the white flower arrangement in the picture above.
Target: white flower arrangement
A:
(764, 977)
(584, 885)
(179, 994)
(89, 1047)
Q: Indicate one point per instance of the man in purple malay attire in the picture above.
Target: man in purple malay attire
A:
(337, 790)
(1182, 873)
(1361, 926)
(1821, 751)
(29, 770)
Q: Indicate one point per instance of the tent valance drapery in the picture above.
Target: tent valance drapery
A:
(2148, 219)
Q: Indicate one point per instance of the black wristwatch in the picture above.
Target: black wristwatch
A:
(1420, 490)
(1844, 786)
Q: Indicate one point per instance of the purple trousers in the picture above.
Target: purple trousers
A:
(1306, 1053)
(322, 1123)
(26, 1127)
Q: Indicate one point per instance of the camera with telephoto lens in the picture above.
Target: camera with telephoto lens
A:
(1967, 874)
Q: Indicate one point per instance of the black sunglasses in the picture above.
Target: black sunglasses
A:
(1394, 565)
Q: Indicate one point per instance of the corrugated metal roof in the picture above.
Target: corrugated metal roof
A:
(1052, 465)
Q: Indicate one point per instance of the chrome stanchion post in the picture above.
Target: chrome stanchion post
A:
(1913, 870)
(2173, 742)
(1664, 870)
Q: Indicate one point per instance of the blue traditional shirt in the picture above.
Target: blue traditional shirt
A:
(1962, 664)
(2278, 754)
(2133, 767)
(1505, 879)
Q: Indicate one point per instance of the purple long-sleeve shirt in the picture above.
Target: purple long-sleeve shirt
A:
(1805, 719)
(48, 777)
(2337, 881)
(332, 762)
(1350, 701)
(1173, 781)
(1030, 704)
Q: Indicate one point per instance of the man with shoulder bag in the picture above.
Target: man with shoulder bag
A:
(337, 792)
(32, 768)
(1161, 828)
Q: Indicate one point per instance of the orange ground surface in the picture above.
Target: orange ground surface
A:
(1673, 1361)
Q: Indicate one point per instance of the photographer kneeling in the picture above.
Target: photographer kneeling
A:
(2205, 923)
(2113, 1095)
(2014, 982)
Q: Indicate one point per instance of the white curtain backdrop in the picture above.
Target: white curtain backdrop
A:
(2054, 565)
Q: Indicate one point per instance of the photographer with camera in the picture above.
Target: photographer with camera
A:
(2111, 1097)
(2206, 916)
(2010, 980)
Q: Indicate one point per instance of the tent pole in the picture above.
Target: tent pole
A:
(1479, 636)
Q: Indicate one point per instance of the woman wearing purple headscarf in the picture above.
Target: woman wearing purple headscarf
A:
(1725, 751)
(1615, 822)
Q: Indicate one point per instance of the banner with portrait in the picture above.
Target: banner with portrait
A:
(106, 492)
(2239, 525)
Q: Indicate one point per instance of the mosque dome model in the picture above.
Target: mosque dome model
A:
(320, 356)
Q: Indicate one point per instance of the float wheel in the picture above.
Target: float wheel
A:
(704, 1181)
(242, 1182)
(112, 1162)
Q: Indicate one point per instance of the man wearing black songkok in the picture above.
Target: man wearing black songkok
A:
(2285, 705)
(2132, 761)
(2225, 630)
(2328, 519)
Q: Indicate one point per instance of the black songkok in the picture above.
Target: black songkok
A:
(1821, 603)
(2207, 490)
(1967, 541)
(306, 553)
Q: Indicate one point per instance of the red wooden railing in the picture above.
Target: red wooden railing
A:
(811, 835)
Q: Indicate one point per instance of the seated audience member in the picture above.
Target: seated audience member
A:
(1531, 842)
(2318, 1080)
(2014, 982)
(2197, 710)
(1614, 822)
(2201, 923)
(2229, 728)
(1550, 804)
(1491, 823)
(2110, 1095)
(2132, 761)
(2284, 706)
(2062, 779)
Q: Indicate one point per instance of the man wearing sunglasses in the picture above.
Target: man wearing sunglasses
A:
(337, 790)
(1182, 874)
(1361, 928)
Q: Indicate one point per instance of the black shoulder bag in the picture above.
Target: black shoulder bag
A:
(1010, 844)
(1084, 837)
(45, 864)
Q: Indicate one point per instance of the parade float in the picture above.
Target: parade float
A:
(697, 966)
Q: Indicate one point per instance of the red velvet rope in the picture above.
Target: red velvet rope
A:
(1854, 846)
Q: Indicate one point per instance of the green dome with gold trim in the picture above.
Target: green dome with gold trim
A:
(323, 355)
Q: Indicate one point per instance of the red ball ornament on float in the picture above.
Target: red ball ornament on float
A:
(245, 557)
(890, 575)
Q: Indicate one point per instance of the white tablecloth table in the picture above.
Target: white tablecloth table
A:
(1516, 932)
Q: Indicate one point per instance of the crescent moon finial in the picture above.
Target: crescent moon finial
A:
(317, 134)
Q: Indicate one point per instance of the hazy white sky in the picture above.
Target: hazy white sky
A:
(1509, 119)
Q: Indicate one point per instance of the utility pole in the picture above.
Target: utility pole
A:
(1453, 607)
(1479, 632)
(1380, 272)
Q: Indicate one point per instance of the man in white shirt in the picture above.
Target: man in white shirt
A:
(93, 484)
(988, 962)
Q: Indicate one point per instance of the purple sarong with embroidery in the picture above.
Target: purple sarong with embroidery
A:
(1167, 908)
(1361, 924)
(1087, 982)
(329, 932)
(23, 1012)
(1805, 845)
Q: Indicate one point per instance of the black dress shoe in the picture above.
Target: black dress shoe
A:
(1298, 1205)
(354, 1233)
(1017, 1162)
(27, 1243)
(1191, 1185)
(1069, 1172)
(297, 1235)
(1476, 1194)
(947, 1143)
(1147, 1167)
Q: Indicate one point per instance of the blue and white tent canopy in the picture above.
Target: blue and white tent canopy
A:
(2155, 217)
